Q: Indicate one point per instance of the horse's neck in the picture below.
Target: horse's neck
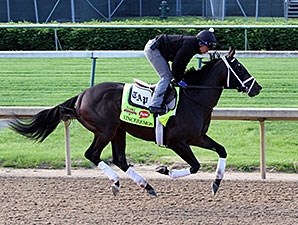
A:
(215, 78)
(212, 76)
(216, 75)
(202, 97)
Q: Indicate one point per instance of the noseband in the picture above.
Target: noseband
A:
(244, 88)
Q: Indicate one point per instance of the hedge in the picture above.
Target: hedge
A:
(136, 38)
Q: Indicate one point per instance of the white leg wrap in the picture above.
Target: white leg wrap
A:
(108, 171)
(221, 166)
(179, 173)
(137, 178)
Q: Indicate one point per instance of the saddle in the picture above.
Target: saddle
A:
(141, 94)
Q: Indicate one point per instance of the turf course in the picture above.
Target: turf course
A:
(47, 82)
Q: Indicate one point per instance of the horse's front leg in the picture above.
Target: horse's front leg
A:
(206, 142)
(119, 159)
(184, 151)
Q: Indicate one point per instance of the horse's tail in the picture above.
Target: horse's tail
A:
(42, 124)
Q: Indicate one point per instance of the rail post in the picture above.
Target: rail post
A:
(67, 147)
(93, 67)
(262, 149)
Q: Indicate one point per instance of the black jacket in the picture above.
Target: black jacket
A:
(179, 50)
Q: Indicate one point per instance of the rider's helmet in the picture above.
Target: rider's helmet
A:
(207, 38)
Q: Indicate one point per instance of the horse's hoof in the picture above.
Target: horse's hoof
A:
(214, 187)
(150, 190)
(163, 170)
(152, 193)
(115, 189)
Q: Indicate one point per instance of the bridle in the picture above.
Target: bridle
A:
(243, 88)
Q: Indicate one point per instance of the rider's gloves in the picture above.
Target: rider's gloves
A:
(181, 83)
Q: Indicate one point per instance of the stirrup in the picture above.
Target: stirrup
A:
(157, 110)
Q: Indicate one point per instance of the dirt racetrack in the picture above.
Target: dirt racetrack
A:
(45, 197)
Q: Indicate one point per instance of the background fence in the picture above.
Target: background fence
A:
(86, 10)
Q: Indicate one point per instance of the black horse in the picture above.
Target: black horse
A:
(98, 109)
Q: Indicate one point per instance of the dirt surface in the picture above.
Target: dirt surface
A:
(52, 197)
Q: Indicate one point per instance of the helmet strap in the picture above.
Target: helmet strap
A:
(201, 43)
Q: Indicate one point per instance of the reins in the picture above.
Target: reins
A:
(189, 87)
(199, 87)
(203, 87)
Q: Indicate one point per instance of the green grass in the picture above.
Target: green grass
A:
(48, 82)
(195, 20)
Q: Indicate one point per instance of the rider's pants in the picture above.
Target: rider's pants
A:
(162, 68)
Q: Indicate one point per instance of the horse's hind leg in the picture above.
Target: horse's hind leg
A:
(93, 154)
(119, 159)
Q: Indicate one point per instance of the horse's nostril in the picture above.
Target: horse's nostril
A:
(259, 88)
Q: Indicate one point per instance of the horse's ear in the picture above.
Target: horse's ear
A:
(213, 56)
(231, 52)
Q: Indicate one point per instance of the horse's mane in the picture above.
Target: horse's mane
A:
(192, 75)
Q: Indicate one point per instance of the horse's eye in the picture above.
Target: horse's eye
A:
(239, 67)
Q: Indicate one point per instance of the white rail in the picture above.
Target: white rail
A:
(253, 114)
(131, 54)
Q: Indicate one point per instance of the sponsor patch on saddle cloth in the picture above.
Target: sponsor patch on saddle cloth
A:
(134, 107)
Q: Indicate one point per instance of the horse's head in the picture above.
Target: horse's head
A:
(233, 75)
(238, 76)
